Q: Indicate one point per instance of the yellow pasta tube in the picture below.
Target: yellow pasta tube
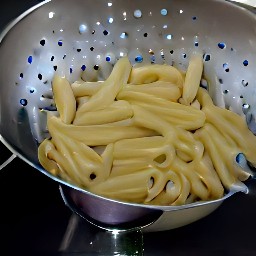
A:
(110, 88)
(107, 159)
(144, 118)
(174, 108)
(188, 170)
(228, 154)
(152, 73)
(72, 144)
(160, 89)
(67, 166)
(51, 161)
(128, 165)
(82, 100)
(145, 142)
(126, 122)
(139, 97)
(191, 119)
(178, 138)
(64, 99)
(210, 178)
(218, 154)
(186, 144)
(139, 147)
(83, 88)
(79, 160)
(161, 156)
(172, 187)
(192, 198)
(44, 148)
(135, 187)
(118, 110)
(185, 191)
(129, 188)
(97, 135)
(156, 183)
(192, 78)
(235, 127)
(204, 98)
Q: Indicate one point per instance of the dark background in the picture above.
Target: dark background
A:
(34, 218)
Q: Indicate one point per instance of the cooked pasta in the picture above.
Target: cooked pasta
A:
(147, 134)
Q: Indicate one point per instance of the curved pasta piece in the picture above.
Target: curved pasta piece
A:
(109, 89)
(204, 98)
(140, 186)
(191, 120)
(233, 126)
(156, 183)
(128, 165)
(171, 191)
(157, 72)
(98, 135)
(151, 121)
(160, 89)
(83, 88)
(43, 150)
(144, 142)
(132, 187)
(140, 97)
(117, 111)
(107, 159)
(159, 153)
(209, 177)
(64, 99)
(178, 138)
(186, 144)
(185, 191)
(220, 155)
(192, 78)
(188, 170)
(82, 100)
(79, 160)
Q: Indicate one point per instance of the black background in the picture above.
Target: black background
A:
(34, 218)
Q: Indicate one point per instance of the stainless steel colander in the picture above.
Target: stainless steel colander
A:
(88, 36)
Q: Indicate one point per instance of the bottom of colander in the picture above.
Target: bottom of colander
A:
(111, 215)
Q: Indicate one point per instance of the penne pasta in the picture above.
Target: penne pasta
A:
(117, 111)
(64, 99)
(152, 73)
(160, 89)
(148, 135)
(192, 78)
(110, 88)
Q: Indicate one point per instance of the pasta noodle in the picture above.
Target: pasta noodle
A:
(147, 134)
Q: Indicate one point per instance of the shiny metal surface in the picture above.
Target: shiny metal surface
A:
(24, 79)
(250, 3)
(113, 215)
(108, 214)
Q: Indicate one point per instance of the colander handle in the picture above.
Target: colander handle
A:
(5, 163)
(12, 157)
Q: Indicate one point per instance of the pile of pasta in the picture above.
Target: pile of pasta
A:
(148, 134)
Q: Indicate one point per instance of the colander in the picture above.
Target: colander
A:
(88, 36)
